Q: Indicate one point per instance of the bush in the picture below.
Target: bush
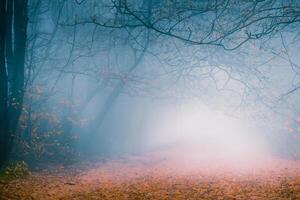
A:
(15, 170)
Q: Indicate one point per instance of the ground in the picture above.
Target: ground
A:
(160, 176)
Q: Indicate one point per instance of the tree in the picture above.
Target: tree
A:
(4, 137)
(225, 24)
(13, 45)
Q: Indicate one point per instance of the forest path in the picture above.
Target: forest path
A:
(158, 175)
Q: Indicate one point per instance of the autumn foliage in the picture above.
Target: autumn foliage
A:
(155, 176)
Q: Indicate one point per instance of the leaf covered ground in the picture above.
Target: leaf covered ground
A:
(159, 176)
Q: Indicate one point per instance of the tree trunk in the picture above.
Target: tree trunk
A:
(13, 28)
(17, 82)
(4, 136)
(8, 40)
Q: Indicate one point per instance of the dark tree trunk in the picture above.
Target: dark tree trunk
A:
(13, 27)
(8, 40)
(17, 82)
(4, 136)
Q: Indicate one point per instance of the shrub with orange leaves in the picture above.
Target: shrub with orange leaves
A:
(46, 134)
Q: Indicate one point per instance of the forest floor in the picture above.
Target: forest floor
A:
(158, 175)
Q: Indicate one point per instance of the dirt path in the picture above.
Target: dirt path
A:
(156, 176)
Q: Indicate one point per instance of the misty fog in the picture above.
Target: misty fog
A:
(128, 89)
(197, 83)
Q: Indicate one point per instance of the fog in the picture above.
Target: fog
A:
(202, 107)
(195, 126)
(109, 78)
(149, 99)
